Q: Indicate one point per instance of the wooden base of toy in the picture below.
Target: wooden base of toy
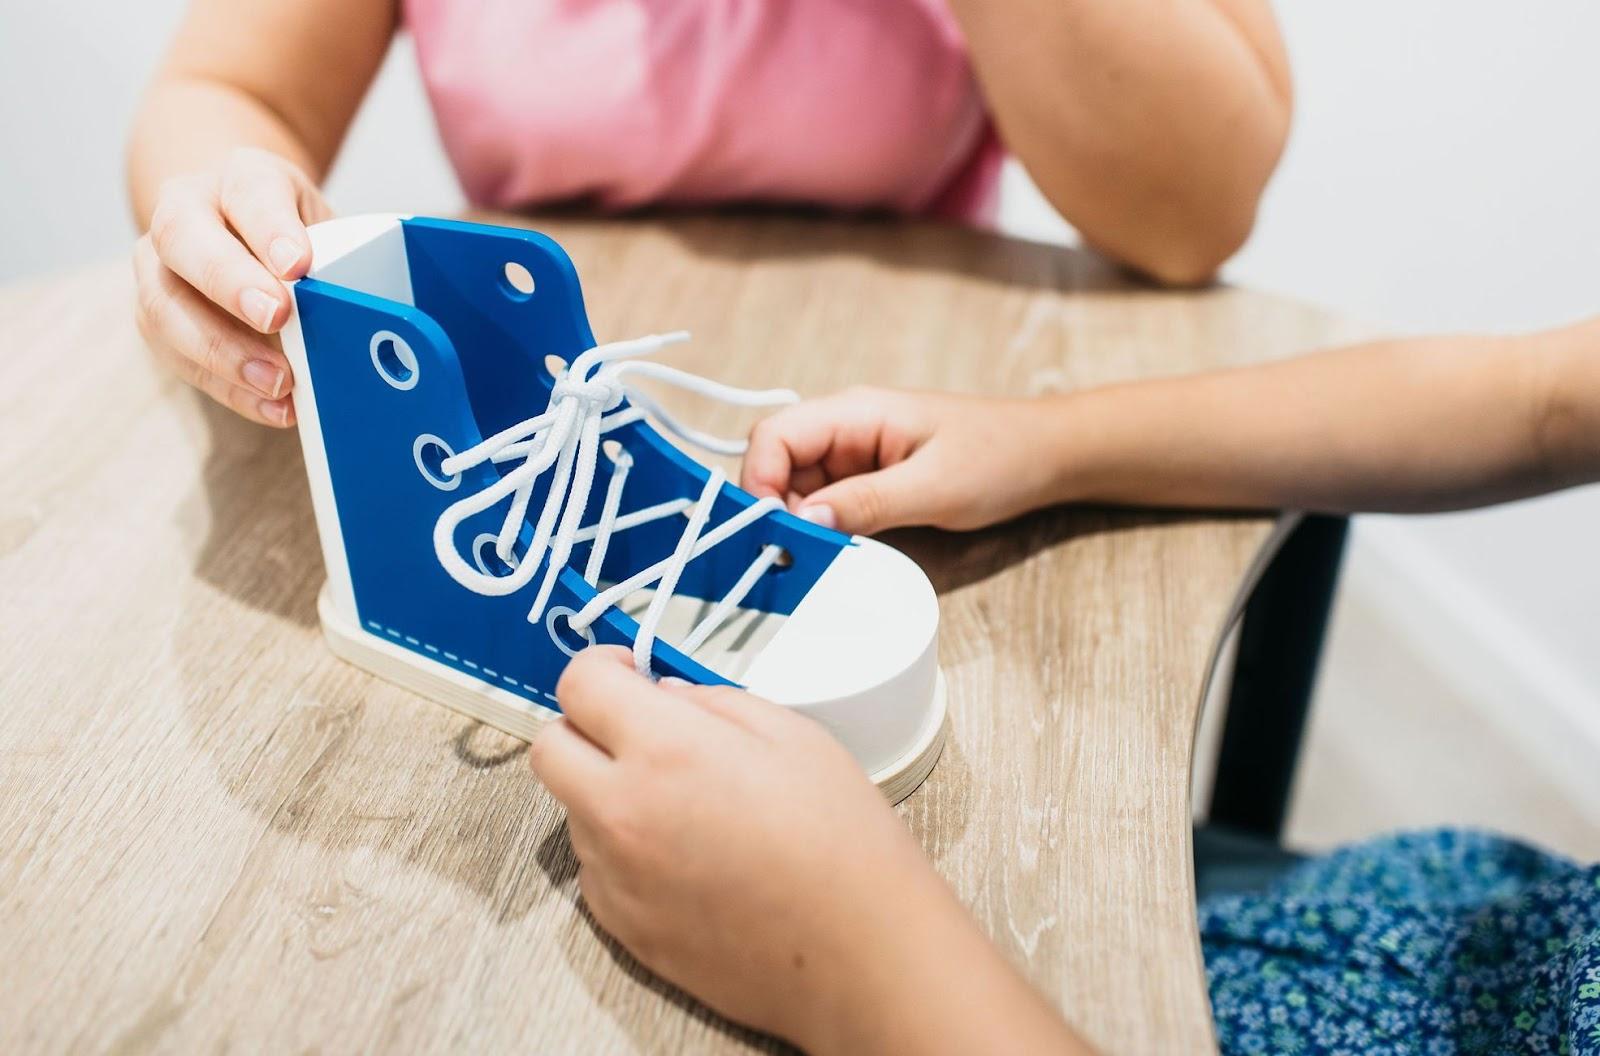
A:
(512, 714)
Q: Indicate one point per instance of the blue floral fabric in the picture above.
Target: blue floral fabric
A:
(1423, 944)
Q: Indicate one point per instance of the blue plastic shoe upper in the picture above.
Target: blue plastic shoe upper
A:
(478, 346)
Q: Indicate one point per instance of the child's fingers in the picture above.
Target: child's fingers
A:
(767, 464)
(259, 198)
(581, 835)
(857, 447)
(743, 709)
(807, 479)
(570, 765)
(190, 238)
(609, 702)
(872, 502)
(599, 894)
(802, 436)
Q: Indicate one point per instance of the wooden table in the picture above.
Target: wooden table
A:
(213, 834)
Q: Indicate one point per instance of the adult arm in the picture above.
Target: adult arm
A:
(283, 76)
(234, 134)
(1151, 125)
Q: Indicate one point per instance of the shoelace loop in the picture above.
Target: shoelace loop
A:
(565, 439)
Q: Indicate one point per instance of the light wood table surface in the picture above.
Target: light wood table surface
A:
(215, 835)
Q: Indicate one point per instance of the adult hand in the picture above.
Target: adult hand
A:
(211, 276)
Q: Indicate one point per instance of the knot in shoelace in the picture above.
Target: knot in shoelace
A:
(603, 390)
(565, 440)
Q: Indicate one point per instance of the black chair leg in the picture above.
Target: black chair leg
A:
(1280, 645)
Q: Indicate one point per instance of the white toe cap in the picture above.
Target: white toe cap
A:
(859, 654)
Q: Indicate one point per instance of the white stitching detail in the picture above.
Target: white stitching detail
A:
(490, 672)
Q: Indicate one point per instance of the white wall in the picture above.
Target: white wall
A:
(71, 73)
(1440, 177)
(70, 79)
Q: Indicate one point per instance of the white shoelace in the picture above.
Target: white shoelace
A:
(566, 436)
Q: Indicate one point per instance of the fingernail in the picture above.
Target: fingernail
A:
(820, 514)
(264, 378)
(284, 255)
(276, 411)
(673, 681)
(259, 308)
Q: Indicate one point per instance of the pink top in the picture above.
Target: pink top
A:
(846, 103)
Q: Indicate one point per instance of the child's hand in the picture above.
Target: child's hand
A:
(864, 460)
(734, 847)
(210, 274)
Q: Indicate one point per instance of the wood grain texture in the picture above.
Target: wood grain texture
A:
(214, 834)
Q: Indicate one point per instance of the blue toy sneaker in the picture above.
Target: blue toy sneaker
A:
(492, 496)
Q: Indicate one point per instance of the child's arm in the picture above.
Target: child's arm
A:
(1152, 126)
(1412, 425)
(1406, 426)
(738, 851)
(241, 121)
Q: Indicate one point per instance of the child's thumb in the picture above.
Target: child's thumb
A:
(870, 503)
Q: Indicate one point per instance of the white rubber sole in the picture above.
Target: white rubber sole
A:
(516, 716)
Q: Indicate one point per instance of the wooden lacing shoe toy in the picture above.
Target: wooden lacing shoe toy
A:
(493, 496)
